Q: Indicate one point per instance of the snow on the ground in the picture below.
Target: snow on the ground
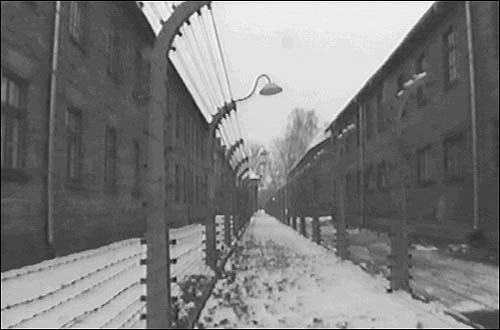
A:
(460, 285)
(282, 279)
(94, 288)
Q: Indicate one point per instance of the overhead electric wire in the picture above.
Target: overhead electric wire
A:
(221, 53)
(170, 10)
(203, 68)
(213, 56)
(156, 12)
(198, 66)
(195, 25)
(182, 61)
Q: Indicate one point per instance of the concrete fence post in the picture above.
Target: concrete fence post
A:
(341, 241)
(227, 230)
(303, 230)
(210, 241)
(400, 256)
(316, 234)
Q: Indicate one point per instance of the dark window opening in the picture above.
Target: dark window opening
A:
(110, 159)
(13, 123)
(74, 152)
(453, 148)
(450, 57)
(424, 165)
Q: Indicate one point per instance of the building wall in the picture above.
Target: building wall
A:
(27, 56)
(190, 150)
(440, 202)
(486, 39)
(86, 214)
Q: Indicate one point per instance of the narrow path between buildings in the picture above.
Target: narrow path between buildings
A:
(277, 278)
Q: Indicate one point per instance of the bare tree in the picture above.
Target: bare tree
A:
(302, 126)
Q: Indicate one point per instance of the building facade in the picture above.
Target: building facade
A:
(99, 140)
(390, 133)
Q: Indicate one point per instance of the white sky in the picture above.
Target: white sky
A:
(321, 53)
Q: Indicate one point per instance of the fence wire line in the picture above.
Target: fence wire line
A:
(73, 282)
(184, 41)
(196, 52)
(219, 45)
(53, 307)
(195, 29)
(203, 24)
(110, 321)
(101, 306)
(179, 58)
(68, 260)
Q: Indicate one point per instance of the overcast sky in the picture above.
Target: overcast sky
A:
(321, 53)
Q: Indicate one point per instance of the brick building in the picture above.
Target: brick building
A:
(189, 151)
(101, 101)
(435, 121)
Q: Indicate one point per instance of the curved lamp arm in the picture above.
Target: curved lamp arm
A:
(254, 87)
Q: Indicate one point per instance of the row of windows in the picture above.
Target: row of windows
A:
(453, 167)
(75, 155)
(189, 187)
(187, 131)
(377, 120)
(14, 130)
(13, 114)
(79, 20)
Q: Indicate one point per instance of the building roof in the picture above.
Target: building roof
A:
(416, 35)
(316, 143)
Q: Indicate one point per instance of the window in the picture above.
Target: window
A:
(421, 99)
(177, 183)
(193, 138)
(110, 159)
(203, 154)
(348, 185)
(13, 122)
(453, 157)
(74, 154)
(420, 64)
(380, 112)
(400, 84)
(205, 189)
(369, 122)
(77, 21)
(137, 169)
(114, 51)
(190, 186)
(197, 189)
(424, 165)
(184, 186)
(368, 177)
(382, 176)
(358, 182)
(186, 130)
(178, 123)
(450, 57)
(142, 69)
(495, 142)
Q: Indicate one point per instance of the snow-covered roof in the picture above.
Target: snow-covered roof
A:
(324, 134)
(252, 175)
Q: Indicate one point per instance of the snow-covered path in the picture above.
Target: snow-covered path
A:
(281, 279)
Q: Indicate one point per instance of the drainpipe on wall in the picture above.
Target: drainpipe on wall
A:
(52, 114)
(472, 91)
(361, 127)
